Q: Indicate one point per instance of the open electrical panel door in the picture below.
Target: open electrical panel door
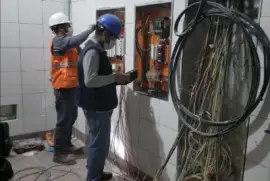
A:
(117, 53)
(153, 41)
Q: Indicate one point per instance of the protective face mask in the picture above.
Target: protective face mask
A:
(70, 32)
(108, 46)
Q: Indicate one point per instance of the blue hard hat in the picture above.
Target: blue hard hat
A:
(111, 23)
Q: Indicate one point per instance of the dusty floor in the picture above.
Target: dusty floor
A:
(29, 167)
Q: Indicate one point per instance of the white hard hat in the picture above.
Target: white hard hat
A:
(58, 18)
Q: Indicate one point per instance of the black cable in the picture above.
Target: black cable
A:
(42, 171)
(208, 10)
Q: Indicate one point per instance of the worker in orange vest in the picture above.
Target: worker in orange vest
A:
(64, 79)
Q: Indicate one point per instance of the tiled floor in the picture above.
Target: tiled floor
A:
(28, 168)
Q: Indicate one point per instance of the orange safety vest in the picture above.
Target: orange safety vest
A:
(64, 69)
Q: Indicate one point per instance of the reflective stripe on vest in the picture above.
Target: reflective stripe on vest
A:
(64, 65)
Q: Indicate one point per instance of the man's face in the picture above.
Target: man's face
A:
(69, 29)
(110, 43)
(66, 29)
(108, 37)
(112, 38)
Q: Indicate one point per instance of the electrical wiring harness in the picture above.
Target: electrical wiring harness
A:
(207, 154)
(250, 29)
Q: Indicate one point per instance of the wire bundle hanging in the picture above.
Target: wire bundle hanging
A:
(207, 155)
(121, 133)
(250, 30)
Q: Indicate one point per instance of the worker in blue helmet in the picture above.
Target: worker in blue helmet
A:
(97, 92)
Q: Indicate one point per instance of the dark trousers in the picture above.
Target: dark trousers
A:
(67, 112)
(99, 142)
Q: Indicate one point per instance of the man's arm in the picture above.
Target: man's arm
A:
(91, 66)
(61, 44)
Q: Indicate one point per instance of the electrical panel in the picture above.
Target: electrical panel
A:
(153, 41)
(117, 53)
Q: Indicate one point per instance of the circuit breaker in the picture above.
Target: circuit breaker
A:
(152, 35)
(117, 53)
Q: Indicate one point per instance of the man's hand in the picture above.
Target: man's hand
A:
(121, 78)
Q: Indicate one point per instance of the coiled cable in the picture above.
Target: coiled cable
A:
(46, 172)
(250, 29)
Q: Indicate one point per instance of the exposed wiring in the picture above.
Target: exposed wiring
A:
(121, 134)
(250, 29)
(42, 171)
(207, 154)
(142, 51)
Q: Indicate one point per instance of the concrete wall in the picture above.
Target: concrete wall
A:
(25, 62)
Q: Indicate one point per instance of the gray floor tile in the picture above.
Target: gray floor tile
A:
(45, 158)
(24, 162)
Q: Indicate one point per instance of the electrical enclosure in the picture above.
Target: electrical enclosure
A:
(152, 42)
(117, 53)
